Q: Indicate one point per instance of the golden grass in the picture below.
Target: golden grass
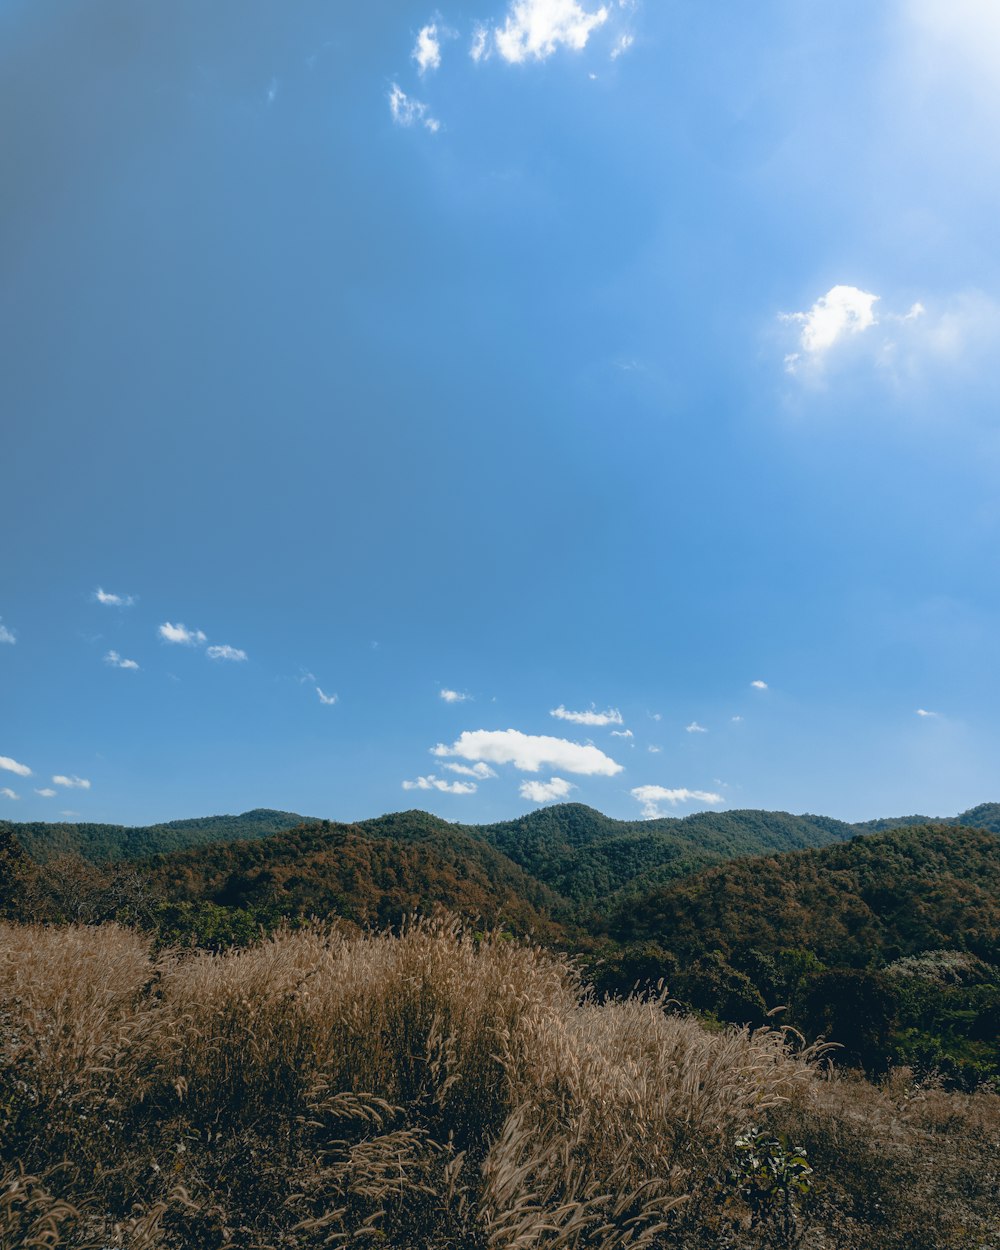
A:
(429, 1089)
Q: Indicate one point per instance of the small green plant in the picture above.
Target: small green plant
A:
(771, 1175)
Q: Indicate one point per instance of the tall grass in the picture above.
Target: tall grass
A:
(432, 1089)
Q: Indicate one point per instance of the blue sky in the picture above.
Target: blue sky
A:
(608, 360)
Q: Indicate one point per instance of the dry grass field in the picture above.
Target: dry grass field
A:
(440, 1089)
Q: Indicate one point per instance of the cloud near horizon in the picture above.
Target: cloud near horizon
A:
(12, 766)
(431, 782)
(652, 797)
(481, 771)
(546, 791)
(530, 752)
(592, 717)
(71, 783)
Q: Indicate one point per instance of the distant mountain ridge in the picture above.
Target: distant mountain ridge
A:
(99, 843)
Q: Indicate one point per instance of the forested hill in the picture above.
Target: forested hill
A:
(586, 856)
(100, 843)
(866, 902)
(985, 816)
(371, 873)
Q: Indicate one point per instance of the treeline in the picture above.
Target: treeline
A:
(889, 943)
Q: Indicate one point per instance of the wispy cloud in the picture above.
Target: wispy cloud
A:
(454, 696)
(8, 793)
(546, 791)
(759, 685)
(695, 728)
(116, 661)
(71, 783)
(12, 766)
(481, 771)
(653, 797)
(530, 752)
(622, 733)
(534, 29)
(226, 652)
(922, 711)
(272, 91)
(69, 812)
(406, 111)
(114, 601)
(622, 45)
(427, 50)
(479, 49)
(438, 783)
(6, 635)
(653, 750)
(181, 634)
(592, 717)
(46, 793)
(328, 700)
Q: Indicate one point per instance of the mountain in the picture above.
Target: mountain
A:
(872, 900)
(371, 873)
(100, 843)
(985, 816)
(587, 856)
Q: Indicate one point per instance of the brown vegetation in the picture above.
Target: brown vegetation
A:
(438, 1089)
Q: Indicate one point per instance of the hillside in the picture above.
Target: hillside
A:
(872, 900)
(889, 943)
(587, 856)
(985, 816)
(370, 873)
(100, 843)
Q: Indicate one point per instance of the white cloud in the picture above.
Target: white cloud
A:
(621, 733)
(454, 696)
(651, 798)
(427, 50)
(922, 711)
(438, 783)
(480, 49)
(546, 791)
(481, 771)
(622, 45)
(759, 685)
(46, 793)
(6, 635)
(226, 652)
(653, 750)
(181, 633)
(116, 661)
(736, 719)
(530, 752)
(695, 728)
(12, 766)
(71, 783)
(534, 29)
(114, 601)
(611, 717)
(656, 716)
(406, 111)
(327, 699)
(8, 793)
(842, 312)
